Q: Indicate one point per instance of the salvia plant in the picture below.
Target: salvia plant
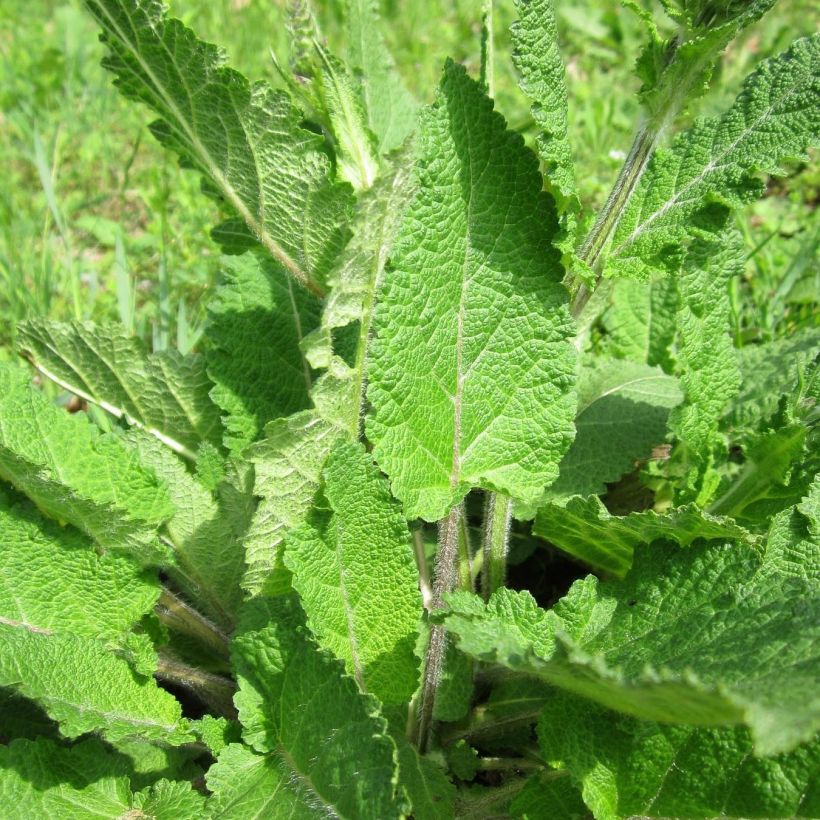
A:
(471, 504)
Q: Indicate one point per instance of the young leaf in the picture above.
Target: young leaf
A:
(471, 367)
(164, 393)
(431, 794)
(68, 650)
(289, 462)
(257, 322)
(295, 702)
(706, 358)
(391, 110)
(632, 768)
(355, 573)
(689, 189)
(76, 474)
(538, 60)
(584, 529)
(710, 635)
(623, 409)
(246, 139)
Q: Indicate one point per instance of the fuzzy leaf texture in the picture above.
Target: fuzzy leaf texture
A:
(246, 139)
(391, 110)
(710, 376)
(77, 474)
(65, 619)
(288, 462)
(356, 576)
(633, 768)
(316, 730)
(623, 408)
(164, 393)
(538, 59)
(41, 779)
(258, 308)
(472, 367)
(689, 188)
(713, 634)
(584, 529)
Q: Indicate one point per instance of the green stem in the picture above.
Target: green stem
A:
(424, 570)
(487, 75)
(465, 563)
(446, 580)
(508, 764)
(497, 515)
(214, 690)
(176, 614)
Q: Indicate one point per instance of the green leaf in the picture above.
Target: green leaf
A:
(710, 376)
(41, 779)
(391, 110)
(472, 366)
(164, 393)
(65, 619)
(77, 474)
(357, 159)
(769, 372)
(538, 59)
(245, 139)
(289, 462)
(623, 409)
(547, 795)
(714, 634)
(632, 768)
(690, 188)
(355, 282)
(584, 529)
(206, 532)
(640, 321)
(354, 570)
(431, 794)
(295, 702)
(257, 322)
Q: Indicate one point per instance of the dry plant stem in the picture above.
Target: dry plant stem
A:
(214, 690)
(446, 580)
(497, 515)
(182, 618)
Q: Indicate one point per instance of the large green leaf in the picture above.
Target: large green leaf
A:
(257, 322)
(165, 393)
(65, 619)
(77, 474)
(584, 529)
(43, 780)
(711, 635)
(354, 570)
(689, 188)
(633, 768)
(472, 366)
(623, 409)
(246, 139)
(297, 706)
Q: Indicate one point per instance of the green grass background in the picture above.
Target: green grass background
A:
(98, 222)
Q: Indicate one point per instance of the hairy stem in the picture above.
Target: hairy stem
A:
(497, 515)
(213, 690)
(447, 577)
(176, 614)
